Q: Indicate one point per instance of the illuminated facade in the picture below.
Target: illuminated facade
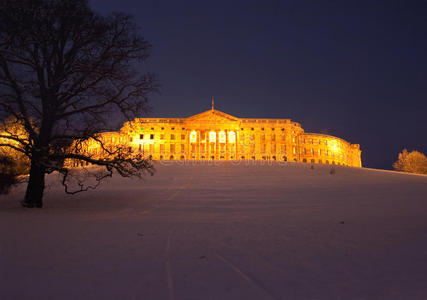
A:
(214, 135)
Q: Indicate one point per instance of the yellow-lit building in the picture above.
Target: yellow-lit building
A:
(214, 135)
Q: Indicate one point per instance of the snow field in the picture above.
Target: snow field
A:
(223, 231)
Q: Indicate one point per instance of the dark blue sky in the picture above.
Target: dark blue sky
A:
(354, 69)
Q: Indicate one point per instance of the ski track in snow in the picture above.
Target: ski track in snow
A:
(246, 277)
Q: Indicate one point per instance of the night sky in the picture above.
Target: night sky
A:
(353, 69)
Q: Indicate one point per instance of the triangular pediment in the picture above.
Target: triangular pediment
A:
(212, 116)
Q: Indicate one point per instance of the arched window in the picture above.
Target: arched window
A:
(222, 137)
(193, 137)
(232, 137)
(212, 137)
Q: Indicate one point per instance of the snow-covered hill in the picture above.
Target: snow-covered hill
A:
(224, 231)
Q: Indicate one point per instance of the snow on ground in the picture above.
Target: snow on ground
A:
(227, 231)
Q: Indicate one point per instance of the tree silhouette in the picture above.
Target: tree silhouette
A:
(65, 73)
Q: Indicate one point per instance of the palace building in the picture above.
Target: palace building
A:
(214, 135)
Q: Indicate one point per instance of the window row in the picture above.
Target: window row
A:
(325, 142)
(321, 152)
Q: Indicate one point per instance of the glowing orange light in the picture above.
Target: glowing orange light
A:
(333, 146)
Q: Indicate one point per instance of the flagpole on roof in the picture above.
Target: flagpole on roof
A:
(213, 103)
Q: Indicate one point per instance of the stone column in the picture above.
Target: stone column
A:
(237, 142)
(208, 145)
(198, 144)
(227, 145)
(217, 148)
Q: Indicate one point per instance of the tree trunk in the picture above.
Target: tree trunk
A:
(35, 187)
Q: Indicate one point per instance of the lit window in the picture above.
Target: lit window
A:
(222, 137)
(182, 136)
(172, 136)
(193, 137)
(231, 137)
(212, 137)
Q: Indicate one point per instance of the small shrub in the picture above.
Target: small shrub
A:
(411, 162)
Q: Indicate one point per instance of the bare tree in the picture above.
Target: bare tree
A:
(65, 73)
